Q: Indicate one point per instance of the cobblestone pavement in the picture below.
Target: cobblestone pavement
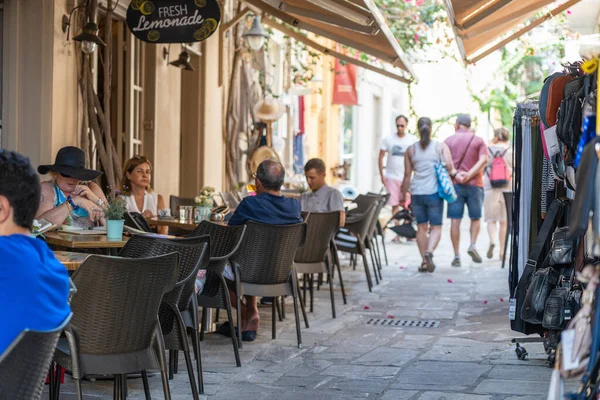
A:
(467, 357)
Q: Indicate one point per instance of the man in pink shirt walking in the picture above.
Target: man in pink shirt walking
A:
(470, 156)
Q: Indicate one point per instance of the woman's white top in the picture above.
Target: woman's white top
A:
(150, 203)
(424, 180)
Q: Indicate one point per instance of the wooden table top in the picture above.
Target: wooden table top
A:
(72, 261)
(73, 241)
(176, 223)
(172, 223)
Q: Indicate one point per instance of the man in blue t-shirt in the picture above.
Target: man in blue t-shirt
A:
(34, 286)
(267, 207)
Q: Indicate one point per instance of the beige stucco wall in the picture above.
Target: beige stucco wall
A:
(42, 110)
(167, 126)
(211, 101)
(65, 92)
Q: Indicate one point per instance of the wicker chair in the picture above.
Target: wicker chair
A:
(353, 242)
(115, 329)
(315, 256)
(264, 266)
(371, 241)
(380, 229)
(225, 241)
(24, 364)
(193, 254)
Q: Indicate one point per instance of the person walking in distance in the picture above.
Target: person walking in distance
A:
(420, 175)
(395, 147)
(470, 156)
(497, 181)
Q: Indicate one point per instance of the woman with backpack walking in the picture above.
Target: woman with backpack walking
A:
(497, 181)
(420, 176)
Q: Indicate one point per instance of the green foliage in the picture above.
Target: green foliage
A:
(116, 207)
(420, 26)
(524, 65)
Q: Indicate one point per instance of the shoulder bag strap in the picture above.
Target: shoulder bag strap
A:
(465, 153)
(554, 214)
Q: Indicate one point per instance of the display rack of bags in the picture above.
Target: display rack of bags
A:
(547, 251)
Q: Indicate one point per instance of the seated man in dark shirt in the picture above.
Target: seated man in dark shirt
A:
(34, 286)
(267, 207)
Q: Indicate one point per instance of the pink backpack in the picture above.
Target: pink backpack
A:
(498, 172)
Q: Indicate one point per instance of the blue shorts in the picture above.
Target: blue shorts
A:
(428, 208)
(472, 196)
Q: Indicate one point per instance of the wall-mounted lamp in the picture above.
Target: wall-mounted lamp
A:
(183, 61)
(88, 37)
(255, 36)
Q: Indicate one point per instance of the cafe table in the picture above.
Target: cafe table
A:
(74, 241)
(188, 225)
(71, 260)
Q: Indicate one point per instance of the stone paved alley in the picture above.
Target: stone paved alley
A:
(468, 357)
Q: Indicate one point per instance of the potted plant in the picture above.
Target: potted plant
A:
(204, 203)
(115, 210)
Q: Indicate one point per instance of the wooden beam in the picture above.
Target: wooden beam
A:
(524, 30)
(492, 22)
(326, 50)
(481, 14)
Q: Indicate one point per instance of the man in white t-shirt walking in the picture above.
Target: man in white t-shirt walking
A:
(395, 146)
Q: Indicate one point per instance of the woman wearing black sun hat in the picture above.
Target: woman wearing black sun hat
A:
(70, 198)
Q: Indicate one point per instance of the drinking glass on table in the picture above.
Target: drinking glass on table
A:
(185, 213)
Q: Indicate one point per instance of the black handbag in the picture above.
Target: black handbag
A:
(557, 308)
(561, 251)
(542, 283)
(562, 303)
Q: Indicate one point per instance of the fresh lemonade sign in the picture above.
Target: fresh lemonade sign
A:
(173, 21)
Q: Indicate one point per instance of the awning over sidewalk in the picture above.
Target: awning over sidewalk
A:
(481, 24)
(354, 23)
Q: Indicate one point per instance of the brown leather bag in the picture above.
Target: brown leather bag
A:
(555, 97)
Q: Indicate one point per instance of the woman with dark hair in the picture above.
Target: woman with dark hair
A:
(137, 192)
(420, 177)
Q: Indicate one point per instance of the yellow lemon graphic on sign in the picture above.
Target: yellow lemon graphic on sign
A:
(200, 3)
(147, 8)
(153, 36)
(201, 34)
(210, 25)
(136, 4)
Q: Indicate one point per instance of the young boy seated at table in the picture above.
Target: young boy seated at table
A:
(34, 286)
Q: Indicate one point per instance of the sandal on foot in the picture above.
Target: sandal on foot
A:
(430, 266)
(423, 268)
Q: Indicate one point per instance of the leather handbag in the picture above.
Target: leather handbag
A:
(555, 97)
(561, 252)
(562, 304)
(584, 197)
(582, 323)
(545, 95)
(544, 280)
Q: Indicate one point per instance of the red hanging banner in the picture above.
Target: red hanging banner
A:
(344, 84)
